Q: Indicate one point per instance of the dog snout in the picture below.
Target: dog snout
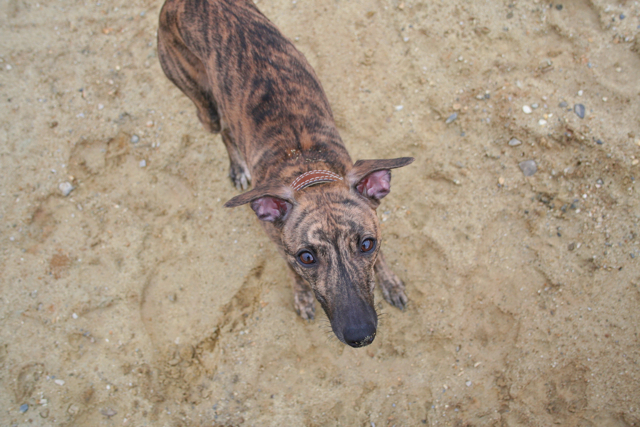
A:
(359, 335)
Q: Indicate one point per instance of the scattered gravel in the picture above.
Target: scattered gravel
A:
(108, 412)
(451, 118)
(66, 188)
(528, 167)
(514, 142)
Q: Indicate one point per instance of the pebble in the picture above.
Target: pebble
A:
(24, 408)
(563, 104)
(514, 142)
(59, 382)
(579, 110)
(599, 182)
(534, 106)
(108, 412)
(468, 383)
(143, 163)
(599, 142)
(527, 109)
(44, 413)
(528, 167)
(135, 139)
(399, 107)
(542, 122)
(65, 188)
(451, 118)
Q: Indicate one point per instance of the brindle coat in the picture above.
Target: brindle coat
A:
(252, 85)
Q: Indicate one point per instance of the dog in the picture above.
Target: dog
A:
(250, 84)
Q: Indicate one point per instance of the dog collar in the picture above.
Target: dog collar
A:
(314, 177)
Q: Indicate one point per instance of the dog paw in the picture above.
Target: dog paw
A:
(393, 291)
(304, 303)
(240, 177)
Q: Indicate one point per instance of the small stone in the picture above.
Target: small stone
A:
(143, 163)
(599, 182)
(579, 110)
(580, 92)
(24, 408)
(451, 118)
(534, 106)
(457, 107)
(571, 246)
(100, 106)
(108, 412)
(559, 6)
(634, 162)
(599, 142)
(514, 142)
(528, 167)
(135, 139)
(44, 413)
(150, 123)
(59, 382)
(622, 16)
(563, 104)
(66, 188)
(399, 107)
(468, 383)
(501, 181)
(527, 109)
(542, 122)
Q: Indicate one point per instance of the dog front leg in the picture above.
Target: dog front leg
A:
(303, 298)
(392, 287)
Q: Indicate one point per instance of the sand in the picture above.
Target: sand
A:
(138, 300)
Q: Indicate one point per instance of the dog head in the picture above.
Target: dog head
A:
(330, 236)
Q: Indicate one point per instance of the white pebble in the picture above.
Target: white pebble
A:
(399, 107)
(542, 122)
(100, 106)
(59, 382)
(75, 316)
(143, 163)
(66, 188)
(514, 142)
(527, 109)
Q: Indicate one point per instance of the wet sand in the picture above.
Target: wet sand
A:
(137, 299)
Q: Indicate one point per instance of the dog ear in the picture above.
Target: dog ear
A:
(372, 178)
(269, 202)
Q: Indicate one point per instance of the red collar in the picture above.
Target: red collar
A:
(314, 177)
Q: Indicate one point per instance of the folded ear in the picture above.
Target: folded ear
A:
(270, 202)
(372, 178)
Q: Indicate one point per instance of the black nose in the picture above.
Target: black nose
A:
(359, 335)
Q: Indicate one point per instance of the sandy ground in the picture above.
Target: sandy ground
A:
(138, 300)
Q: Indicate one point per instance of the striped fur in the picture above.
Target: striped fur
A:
(249, 83)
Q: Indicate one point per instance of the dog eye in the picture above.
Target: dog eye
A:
(306, 258)
(367, 245)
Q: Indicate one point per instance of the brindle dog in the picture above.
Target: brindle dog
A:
(252, 85)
